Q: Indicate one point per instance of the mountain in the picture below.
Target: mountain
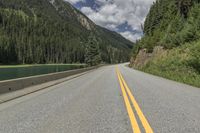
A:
(53, 31)
(171, 43)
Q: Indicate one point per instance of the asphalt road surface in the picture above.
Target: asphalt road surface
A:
(111, 99)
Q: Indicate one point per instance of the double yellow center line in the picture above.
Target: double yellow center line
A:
(128, 95)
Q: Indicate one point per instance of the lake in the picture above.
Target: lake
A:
(19, 72)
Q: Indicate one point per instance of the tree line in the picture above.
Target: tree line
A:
(26, 40)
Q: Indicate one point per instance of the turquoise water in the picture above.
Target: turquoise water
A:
(19, 72)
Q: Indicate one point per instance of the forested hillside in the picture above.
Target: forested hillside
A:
(174, 26)
(53, 31)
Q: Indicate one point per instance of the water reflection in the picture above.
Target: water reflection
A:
(19, 72)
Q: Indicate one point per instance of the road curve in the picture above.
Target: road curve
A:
(100, 102)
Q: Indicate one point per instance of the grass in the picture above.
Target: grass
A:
(31, 65)
(175, 65)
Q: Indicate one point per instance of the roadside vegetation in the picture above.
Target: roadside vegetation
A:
(179, 64)
(174, 25)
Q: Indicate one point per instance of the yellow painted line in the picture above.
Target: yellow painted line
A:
(144, 121)
(131, 115)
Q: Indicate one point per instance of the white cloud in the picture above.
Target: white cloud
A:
(113, 13)
(87, 10)
(131, 36)
(74, 1)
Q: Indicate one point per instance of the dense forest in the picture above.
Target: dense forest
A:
(171, 23)
(175, 26)
(53, 31)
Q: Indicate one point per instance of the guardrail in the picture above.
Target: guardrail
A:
(21, 83)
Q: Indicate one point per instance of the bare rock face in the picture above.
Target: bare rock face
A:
(52, 2)
(158, 50)
(84, 22)
(89, 25)
(144, 57)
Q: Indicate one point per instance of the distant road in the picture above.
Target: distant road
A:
(111, 99)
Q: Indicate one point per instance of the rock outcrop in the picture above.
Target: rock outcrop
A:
(143, 57)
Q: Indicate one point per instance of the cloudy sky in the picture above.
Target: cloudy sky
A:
(123, 16)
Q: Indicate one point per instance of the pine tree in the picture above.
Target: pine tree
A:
(92, 52)
(184, 6)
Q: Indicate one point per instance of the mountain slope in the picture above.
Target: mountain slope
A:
(53, 31)
(170, 46)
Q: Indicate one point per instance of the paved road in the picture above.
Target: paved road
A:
(94, 103)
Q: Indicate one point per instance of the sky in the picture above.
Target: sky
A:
(122, 16)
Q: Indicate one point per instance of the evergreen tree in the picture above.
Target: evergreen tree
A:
(92, 52)
(184, 6)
